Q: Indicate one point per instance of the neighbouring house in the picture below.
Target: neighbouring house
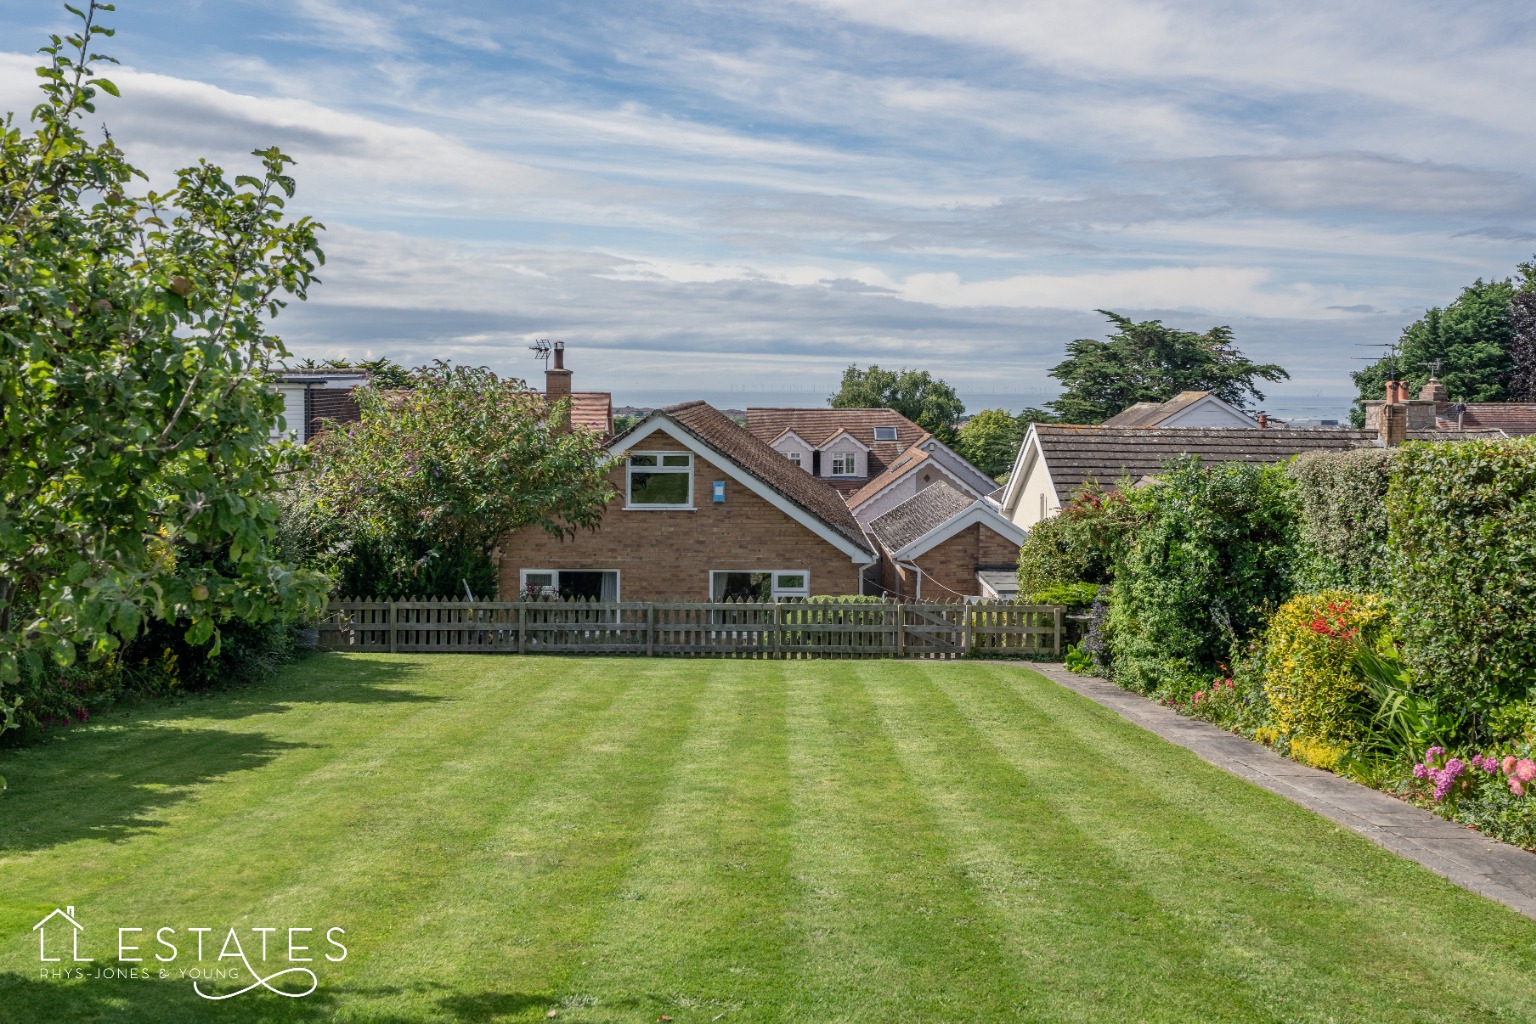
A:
(1056, 461)
(313, 396)
(944, 544)
(876, 458)
(590, 409)
(1433, 410)
(1187, 409)
(704, 510)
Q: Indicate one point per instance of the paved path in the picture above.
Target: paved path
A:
(1471, 860)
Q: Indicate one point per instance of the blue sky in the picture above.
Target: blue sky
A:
(714, 197)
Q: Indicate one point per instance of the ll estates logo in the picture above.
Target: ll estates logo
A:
(266, 958)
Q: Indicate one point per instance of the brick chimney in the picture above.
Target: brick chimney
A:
(1392, 424)
(557, 383)
(1434, 391)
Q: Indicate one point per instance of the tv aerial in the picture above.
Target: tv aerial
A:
(543, 347)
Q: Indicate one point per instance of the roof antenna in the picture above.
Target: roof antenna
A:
(541, 349)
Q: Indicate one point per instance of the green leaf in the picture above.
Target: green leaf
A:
(106, 86)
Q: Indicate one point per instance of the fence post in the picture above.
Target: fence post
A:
(1056, 636)
(965, 632)
(778, 623)
(650, 630)
(901, 630)
(522, 622)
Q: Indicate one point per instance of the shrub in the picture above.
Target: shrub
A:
(1082, 543)
(1341, 505)
(1072, 595)
(1461, 517)
(1211, 555)
(1314, 691)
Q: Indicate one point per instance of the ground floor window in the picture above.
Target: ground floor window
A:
(571, 584)
(759, 585)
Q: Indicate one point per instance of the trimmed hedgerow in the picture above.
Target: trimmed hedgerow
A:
(1461, 521)
(1341, 505)
(1212, 554)
(1313, 689)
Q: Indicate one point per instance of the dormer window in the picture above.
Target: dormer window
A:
(793, 457)
(844, 464)
(885, 433)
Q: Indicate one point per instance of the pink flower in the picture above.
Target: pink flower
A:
(1516, 787)
(1509, 765)
(1432, 753)
(1525, 771)
(1420, 771)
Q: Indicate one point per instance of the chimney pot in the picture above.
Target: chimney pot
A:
(559, 355)
(1263, 420)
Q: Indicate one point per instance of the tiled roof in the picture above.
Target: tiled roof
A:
(926, 510)
(1150, 414)
(1452, 434)
(902, 464)
(593, 410)
(1517, 419)
(753, 455)
(1076, 455)
(817, 426)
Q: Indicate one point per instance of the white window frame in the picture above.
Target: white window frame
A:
(793, 457)
(775, 592)
(852, 463)
(890, 431)
(554, 575)
(660, 456)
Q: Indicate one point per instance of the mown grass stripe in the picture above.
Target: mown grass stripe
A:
(1272, 883)
(890, 928)
(697, 929)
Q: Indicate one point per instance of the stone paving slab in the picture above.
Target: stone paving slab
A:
(1473, 861)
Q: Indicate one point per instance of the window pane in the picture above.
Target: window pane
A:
(785, 581)
(675, 460)
(885, 433)
(540, 579)
(741, 586)
(658, 488)
(642, 460)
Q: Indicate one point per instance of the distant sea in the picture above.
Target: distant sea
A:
(1329, 407)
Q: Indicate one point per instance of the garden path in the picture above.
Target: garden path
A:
(1454, 852)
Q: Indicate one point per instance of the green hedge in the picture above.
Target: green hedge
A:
(1212, 554)
(1462, 531)
(1341, 504)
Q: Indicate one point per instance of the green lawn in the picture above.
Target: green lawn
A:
(623, 839)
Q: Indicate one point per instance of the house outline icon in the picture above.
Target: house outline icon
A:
(68, 914)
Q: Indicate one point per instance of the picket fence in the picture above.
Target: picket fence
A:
(786, 629)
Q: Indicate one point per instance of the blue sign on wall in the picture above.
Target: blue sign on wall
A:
(719, 491)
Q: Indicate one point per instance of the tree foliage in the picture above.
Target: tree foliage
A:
(439, 471)
(916, 394)
(990, 440)
(1472, 340)
(1151, 362)
(136, 476)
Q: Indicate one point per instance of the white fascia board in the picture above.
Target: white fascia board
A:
(980, 512)
(786, 432)
(842, 432)
(988, 483)
(660, 420)
(1022, 464)
(960, 485)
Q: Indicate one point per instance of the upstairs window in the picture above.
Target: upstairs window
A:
(844, 464)
(660, 480)
(885, 433)
(793, 457)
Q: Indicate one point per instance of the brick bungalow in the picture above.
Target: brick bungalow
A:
(704, 511)
(943, 544)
